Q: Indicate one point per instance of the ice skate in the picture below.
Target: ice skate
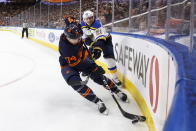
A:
(102, 108)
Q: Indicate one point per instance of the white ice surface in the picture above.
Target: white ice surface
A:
(35, 97)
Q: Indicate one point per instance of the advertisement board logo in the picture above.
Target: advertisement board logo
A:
(154, 83)
(51, 37)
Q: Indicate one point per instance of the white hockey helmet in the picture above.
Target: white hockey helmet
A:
(87, 14)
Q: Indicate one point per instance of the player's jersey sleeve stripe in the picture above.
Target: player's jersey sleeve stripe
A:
(92, 43)
(85, 54)
(101, 37)
(93, 28)
(83, 27)
(97, 48)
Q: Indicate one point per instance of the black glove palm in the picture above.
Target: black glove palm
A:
(96, 53)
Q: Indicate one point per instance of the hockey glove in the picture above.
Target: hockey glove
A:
(96, 52)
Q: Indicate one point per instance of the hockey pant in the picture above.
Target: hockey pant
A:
(70, 75)
(25, 30)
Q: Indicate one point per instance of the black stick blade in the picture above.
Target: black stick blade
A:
(134, 118)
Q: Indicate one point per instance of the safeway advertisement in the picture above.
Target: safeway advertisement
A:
(146, 65)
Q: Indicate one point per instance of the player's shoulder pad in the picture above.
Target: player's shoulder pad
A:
(96, 24)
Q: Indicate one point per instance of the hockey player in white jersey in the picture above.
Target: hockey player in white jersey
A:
(99, 41)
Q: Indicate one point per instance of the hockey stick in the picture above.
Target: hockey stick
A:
(133, 117)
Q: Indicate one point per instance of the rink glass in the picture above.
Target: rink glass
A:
(148, 17)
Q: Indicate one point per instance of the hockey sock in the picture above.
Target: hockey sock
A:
(86, 92)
